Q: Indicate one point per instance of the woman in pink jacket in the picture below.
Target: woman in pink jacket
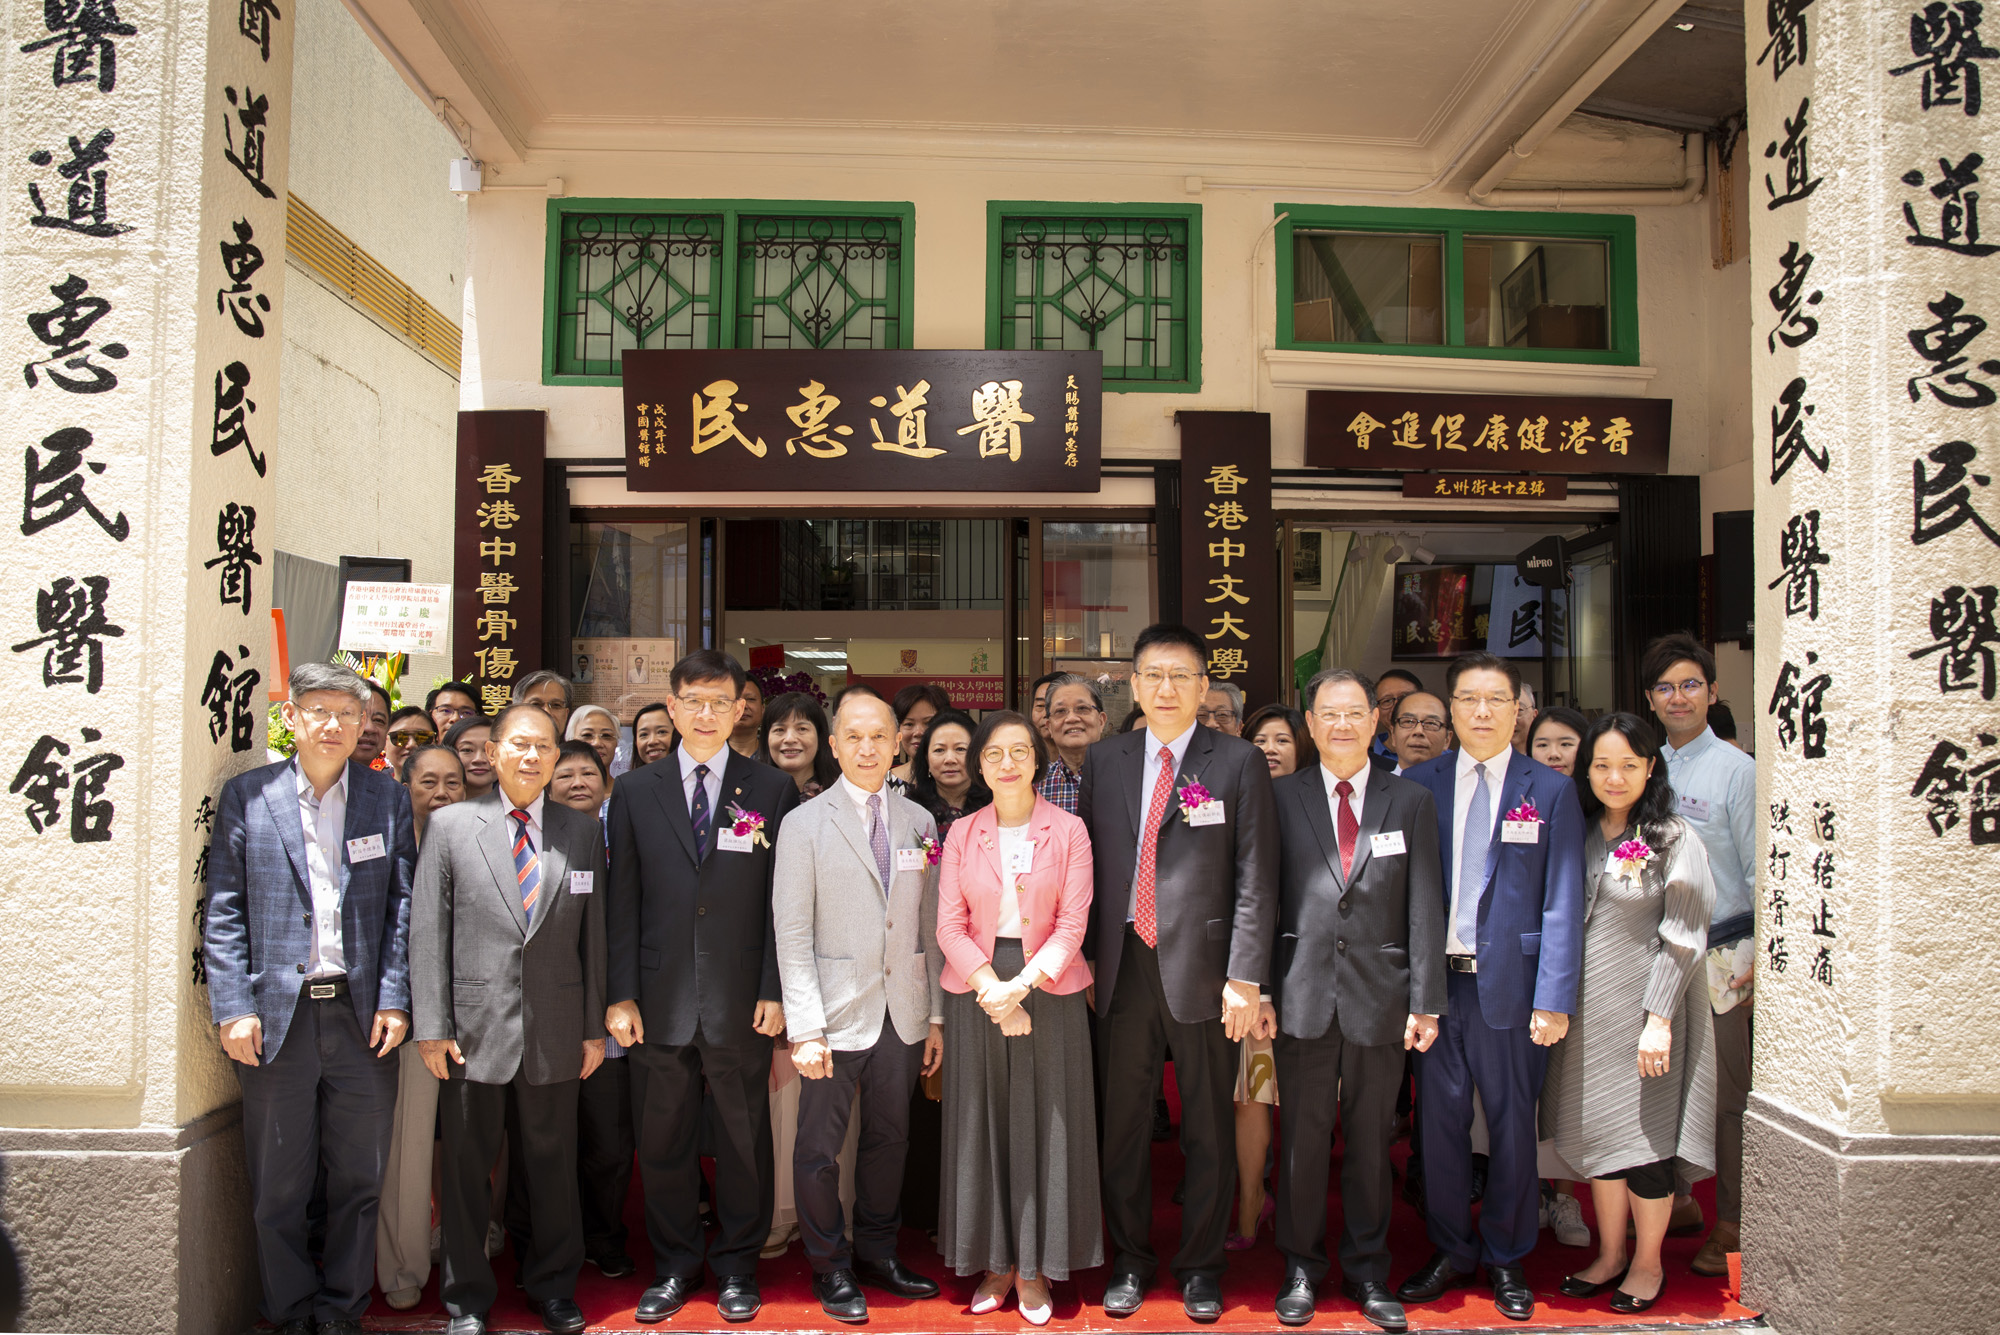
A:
(1020, 1123)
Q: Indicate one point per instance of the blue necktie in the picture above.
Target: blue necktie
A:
(878, 837)
(1475, 844)
(527, 868)
(698, 813)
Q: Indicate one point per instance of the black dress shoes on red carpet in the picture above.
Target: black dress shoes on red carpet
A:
(1511, 1293)
(466, 1325)
(1295, 1301)
(1123, 1294)
(559, 1315)
(840, 1296)
(739, 1299)
(346, 1327)
(1431, 1283)
(1201, 1298)
(896, 1277)
(1621, 1302)
(664, 1299)
(298, 1325)
(613, 1265)
(1376, 1303)
(1572, 1287)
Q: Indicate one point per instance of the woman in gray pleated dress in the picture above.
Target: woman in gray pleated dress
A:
(1630, 1095)
(1019, 1201)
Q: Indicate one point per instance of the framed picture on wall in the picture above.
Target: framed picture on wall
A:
(1520, 292)
(1315, 563)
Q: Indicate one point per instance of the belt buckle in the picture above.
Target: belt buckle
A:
(1462, 963)
(322, 991)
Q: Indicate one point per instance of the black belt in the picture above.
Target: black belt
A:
(1462, 963)
(326, 989)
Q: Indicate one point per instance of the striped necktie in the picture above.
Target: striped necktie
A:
(527, 867)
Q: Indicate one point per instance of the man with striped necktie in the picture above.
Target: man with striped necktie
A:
(507, 982)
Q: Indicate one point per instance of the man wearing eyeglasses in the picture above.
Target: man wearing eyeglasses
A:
(1182, 925)
(1420, 731)
(1222, 709)
(694, 987)
(1715, 790)
(1075, 723)
(1390, 688)
(449, 703)
(306, 942)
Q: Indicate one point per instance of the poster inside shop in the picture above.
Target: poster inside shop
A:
(968, 670)
(622, 675)
(1514, 616)
(1434, 613)
(391, 618)
(1113, 679)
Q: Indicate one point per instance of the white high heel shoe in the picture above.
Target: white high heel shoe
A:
(1038, 1316)
(991, 1302)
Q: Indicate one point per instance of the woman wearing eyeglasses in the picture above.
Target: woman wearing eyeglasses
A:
(1020, 1198)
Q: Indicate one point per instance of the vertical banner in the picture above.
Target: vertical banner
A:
(1229, 549)
(496, 617)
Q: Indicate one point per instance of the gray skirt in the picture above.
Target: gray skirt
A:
(1020, 1137)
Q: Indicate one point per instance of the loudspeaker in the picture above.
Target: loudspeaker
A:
(1735, 575)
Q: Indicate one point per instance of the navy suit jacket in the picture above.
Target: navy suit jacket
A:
(1530, 945)
(258, 935)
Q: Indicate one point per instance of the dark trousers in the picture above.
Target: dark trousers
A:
(1137, 1028)
(1506, 1067)
(668, 1123)
(884, 1075)
(473, 1116)
(604, 1149)
(325, 1098)
(1732, 1100)
(1317, 1075)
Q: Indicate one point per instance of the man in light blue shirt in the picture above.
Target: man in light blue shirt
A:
(1715, 791)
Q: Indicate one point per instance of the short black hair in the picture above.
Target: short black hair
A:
(1399, 674)
(1559, 714)
(1655, 806)
(1046, 679)
(584, 750)
(1668, 650)
(798, 704)
(658, 706)
(435, 748)
(706, 665)
(920, 692)
(1135, 718)
(1480, 662)
(500, 720)
(450, 688)
(463, 726)
(1329, 676)
(1167, 635)
(377, 689)
(992, 723)
(411, 711)
(923, 785)
(1285, 714)
(1722, 721)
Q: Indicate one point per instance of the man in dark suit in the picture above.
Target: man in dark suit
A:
(307, 947)
(694, 986)
(507, 968)
(1510, 833)
(1358, 979)
(1181, 930)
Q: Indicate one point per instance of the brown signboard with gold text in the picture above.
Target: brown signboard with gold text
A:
(496, 604)
(1488, 433)
(1229, 550)
(805, 420)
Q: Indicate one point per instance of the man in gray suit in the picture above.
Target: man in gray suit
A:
(854, 905)
(306, 941)
(507, 970)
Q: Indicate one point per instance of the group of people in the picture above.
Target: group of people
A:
(767, 937)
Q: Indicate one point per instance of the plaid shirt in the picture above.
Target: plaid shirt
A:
(1061, 785)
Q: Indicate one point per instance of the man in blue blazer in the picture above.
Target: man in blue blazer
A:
(1510, 834)
(307, 946)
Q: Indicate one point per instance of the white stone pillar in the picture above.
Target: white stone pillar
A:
(145, 143)
(1873, 1143)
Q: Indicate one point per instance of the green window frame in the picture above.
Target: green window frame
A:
(1618, 231)
(741, 273)
(1121, 278)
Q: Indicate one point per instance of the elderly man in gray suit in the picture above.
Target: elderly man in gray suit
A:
(854, 905)
(507, 973)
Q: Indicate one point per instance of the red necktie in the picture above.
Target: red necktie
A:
(1144, 917)
(1350, 827)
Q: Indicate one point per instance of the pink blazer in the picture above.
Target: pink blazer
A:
(1055, 897)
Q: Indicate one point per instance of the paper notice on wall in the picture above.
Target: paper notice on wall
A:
(623, 675)
(383, 618)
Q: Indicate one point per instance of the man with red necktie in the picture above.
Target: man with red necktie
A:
(1181, 821)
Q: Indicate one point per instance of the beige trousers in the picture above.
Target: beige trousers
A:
(403, 1220)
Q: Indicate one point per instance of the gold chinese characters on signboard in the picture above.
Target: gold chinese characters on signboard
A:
(1386, 429)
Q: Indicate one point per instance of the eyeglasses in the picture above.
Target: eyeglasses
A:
(453, 712)
(410, 738)
(1333, 718)
(319, 718)
(1433, 726)
(1495, 703)
(1666, 690)
(1081, 711)
(1153, 678)
(700, 707)
(1216, 715)
(530, 747)
(1020, 754)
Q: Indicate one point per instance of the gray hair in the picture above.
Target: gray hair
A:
(1235, 694)
(1062, 679)
(1329, 676)
(1527, 695)
(542, 678)
(583, 712)
(309, 677)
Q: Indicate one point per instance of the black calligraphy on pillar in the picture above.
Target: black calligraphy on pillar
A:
(45, 780)
(235, 541)
(1943, 345)
(253, 113)
(1944, 38)
(55, 486)
(63, 331)
(86, 203)
(1796, 149)
(1799, 704)
(1800, 557)
(229, 699)
(1788, 296)
(1952, 788)
(199, 970)
(1958, 208)
(1777, 863)
(241, 259)
(1823, 820)
(1788, 432)
(80, 33)
(1965, 637)
(1785, 21)
(73, 623)
(253, 20)
(1941, 500)
(233, 407)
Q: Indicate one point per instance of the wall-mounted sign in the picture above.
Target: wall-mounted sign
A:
(1504, 433)
(395, 618)
(622, 675)
(1229, 549)
(805, 420)
(1483, 487)
(497, 551)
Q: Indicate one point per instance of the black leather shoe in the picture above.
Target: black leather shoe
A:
(298, 1325)
(1201, 1298)
(840, 1296)
(1479, 1162)
(1621, 1301)
(560, 1315)
(346, 1327)
(466, 1325)
(739, 1299)
(896, 1277)
(1572, 1287)
(1123, 1294)
(1377, 1303)
(1431, 1283)
(665, 1298)
(1295, 1301)
(612, 1265)
(1413, 1190)
(1511, 1293)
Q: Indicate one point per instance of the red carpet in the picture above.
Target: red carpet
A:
(1248, 1289)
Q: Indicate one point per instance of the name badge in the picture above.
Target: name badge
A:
(1694, 808)
(909, 859)
(579, 882)
(1021, 859)
(1387, 844)
(1208, 813)
(728, 841)
(1520, 832)
(366, 849)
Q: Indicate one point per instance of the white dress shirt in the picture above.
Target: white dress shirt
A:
(1012, 838)
(713, 784)
(1360, 783)
(324, 820)
(1496, 777)
(1149, 775)
(534, 810)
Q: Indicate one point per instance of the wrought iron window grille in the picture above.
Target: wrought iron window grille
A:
(636, 280)
(1119, 285)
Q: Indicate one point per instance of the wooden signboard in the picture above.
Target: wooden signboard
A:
(1504, 433)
